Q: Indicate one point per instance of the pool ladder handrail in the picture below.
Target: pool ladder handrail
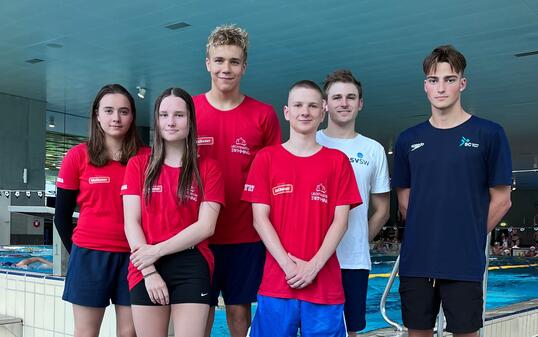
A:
(441, 316)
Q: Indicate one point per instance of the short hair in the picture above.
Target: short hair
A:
(307, 84)
(228, 35)
(344, 76)
(448, 54)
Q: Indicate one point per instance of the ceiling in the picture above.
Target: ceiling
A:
(86, 44)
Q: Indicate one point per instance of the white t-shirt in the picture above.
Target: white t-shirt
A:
(369, 163)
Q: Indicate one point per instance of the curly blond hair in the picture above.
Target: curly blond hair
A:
(228, 35)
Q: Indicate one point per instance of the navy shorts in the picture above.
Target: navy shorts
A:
(284, 317)
(95, 278)
(462, 303)
(355, 282)
(186, 275)
(238, 272)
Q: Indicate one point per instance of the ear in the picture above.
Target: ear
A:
(463, 83)
(207, 64)
(244, 68)
(286, 112)
(324, 110)
(425, 86)
(361, 103)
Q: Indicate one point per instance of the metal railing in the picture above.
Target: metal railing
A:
(441, 316)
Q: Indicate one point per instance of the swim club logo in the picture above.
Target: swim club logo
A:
(249, 188)
(466, 142)
(124, 187)
(359, 159)
(416, 146)
(191, 194)
(60, 180)
(281, 189)
(320, 194)
(241, 147)
(204, 141)
(99, 180)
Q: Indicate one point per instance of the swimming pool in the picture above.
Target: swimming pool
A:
(10, 255)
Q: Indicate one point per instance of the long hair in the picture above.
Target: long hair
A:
(96, 144)
(189, 161)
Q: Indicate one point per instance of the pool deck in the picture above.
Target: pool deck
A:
(515, 320)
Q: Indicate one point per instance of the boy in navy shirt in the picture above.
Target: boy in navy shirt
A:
(452, 174)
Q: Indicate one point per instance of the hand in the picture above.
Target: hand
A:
(144, 256)
(157, 290)
(306, 272)
(289, 268)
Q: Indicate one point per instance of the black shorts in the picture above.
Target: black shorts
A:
(355, 282)
(462, 303)
(186, 275)
(238, 272)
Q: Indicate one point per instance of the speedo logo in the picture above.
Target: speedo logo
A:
(99, 180)
(416, 146)
(204, 141)
(467, 142)
(281, 189)
(359, 159)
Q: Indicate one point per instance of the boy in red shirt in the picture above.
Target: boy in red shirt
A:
(301, 194)
(232, 128)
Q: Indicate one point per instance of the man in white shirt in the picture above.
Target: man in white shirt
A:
(369, 162)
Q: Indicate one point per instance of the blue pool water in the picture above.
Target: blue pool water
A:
(10, 255)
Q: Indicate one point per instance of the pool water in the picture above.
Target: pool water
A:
(10, 255)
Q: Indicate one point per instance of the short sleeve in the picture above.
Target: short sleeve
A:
(256, 189)
(401, 177)
(380, 179)
(499, 160)
(272, 131)
(213, 182)
(133, 178)
(70, 170)
(348, 191)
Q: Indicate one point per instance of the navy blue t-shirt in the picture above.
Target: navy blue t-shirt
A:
(449, 172)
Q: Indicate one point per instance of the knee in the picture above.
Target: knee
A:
(126, 331)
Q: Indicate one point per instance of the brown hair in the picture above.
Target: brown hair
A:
(96, 144)
(308, 85)
(448, 54)
(344, 76)
(189, 161)
(228, 35)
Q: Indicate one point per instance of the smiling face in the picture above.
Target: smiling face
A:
(443, 87)
(114, 115)
(305, 110)
(343, 103)
(173, 119)
(226, 64)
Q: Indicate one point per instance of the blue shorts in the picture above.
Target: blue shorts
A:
(95, 278)
(285, 317)
(355, 282)
(238, 272)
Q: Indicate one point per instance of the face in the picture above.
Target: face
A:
(173, 119)
(443, 86)
(305, 110)
(114, 115)
(226, 64)
(343, 103)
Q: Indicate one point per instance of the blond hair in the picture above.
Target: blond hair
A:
(228, 35)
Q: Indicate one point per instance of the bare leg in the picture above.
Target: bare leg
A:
(239, 318)
(352, 334)
(190, 319)
(124, 321)
(210, 320)
(420, 333)
(472, 334)
(87, 320)
(151, 321)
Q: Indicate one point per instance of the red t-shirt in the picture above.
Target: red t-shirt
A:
(100, 222)
(303, 193)
(165, 216)
(233, 138)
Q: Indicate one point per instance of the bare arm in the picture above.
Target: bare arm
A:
(380, 203)
(499, 204)
(270, 238)
(403, 200)
(308, 270)
(145, 255)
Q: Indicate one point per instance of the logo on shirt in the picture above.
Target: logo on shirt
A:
(320, 194)
(416, 146)
(281, 189)
(191, 194)
(60, 180)
(157, 188)
(123, 187)
(467, 142)
(204, 141)
(241, 146)
(99, 180)
(249, 188)
(359, 159)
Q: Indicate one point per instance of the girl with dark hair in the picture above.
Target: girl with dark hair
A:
(171, 202)
(91, 175)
